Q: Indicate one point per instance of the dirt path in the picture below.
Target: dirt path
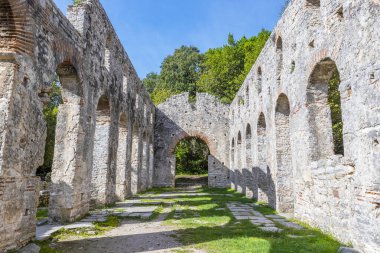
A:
(131, 236)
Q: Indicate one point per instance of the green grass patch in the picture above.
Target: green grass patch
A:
(42, 213)
(156, 213)
(45, 247)
(204, 222)
(98, 229)
(265, 209)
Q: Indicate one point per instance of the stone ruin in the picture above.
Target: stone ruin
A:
(273, 143)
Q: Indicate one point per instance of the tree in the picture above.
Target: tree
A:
(179, 73)
(224, 69)
(151, 81)
(192, 157)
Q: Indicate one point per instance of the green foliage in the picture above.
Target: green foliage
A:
(191, 157)
(219, 71)
(42, 213)
(77, 2)
(50, 114)
(179, 73)
(160, 95)
(224, 69)
(151, 81)
(100, 227)
(336, 113)
(207, 225)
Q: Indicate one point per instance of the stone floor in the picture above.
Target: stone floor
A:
(133, 208)
(143, 233)
(268, 223)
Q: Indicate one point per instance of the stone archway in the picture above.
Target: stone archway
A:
(206, 119)
(198, 140)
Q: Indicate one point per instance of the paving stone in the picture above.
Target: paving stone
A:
(299, 236)
(79, 225)
(30, 248)
(348, 250)
(44, 232)
(42, 222)
(242, 217)
(274, 216)
(271, 229)
(279, 220)
(257, 213)
(289, 224)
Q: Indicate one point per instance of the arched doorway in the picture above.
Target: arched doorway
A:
(284, 175)
(123, 164)
(61, 169)
(262, 154)
(191, 162)
(101, 154)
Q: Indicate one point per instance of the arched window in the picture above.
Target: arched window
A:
(261, 141)
(279, 58)
(135, 157)
(247, 95)
(325, 115)
(248, 137)
(107, 54)
(125, 84)
(262, 157)
(259, 80)
(122, 166)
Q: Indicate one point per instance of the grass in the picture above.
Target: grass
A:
(179, 175)
(45, 247)
(98, 229)
(204, 222)
(42, 213)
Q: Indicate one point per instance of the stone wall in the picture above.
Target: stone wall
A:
(104, 103)
(176, 119)
(274, 143)
(288, 158)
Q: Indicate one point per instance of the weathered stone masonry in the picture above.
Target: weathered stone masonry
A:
(176, 119)
(274, 143)
(283, 101)
(104, 103)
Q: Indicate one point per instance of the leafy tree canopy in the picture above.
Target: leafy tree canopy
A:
(224, 69)
(219, 71)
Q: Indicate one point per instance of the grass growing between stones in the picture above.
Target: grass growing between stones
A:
(204, 222)
(98, 229)
(45, 247)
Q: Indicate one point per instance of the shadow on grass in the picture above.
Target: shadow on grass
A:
(208, 225)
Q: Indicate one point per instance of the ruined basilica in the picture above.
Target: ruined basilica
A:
(274, 142)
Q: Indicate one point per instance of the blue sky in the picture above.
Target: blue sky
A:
(152, 29)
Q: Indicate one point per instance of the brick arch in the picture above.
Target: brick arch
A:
(197, 134)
